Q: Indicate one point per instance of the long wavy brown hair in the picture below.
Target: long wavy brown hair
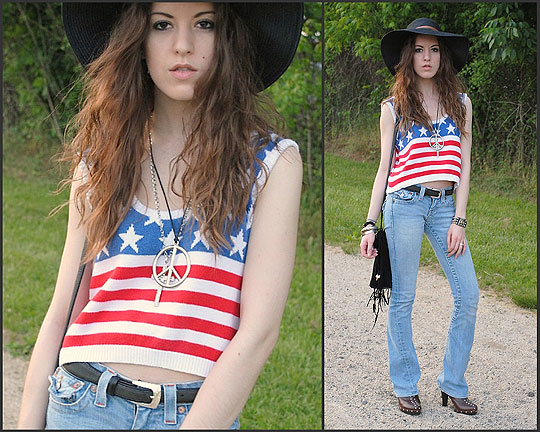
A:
(408, 99)
(111, 131)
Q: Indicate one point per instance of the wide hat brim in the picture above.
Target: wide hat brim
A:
(276, 29)
(393, 42)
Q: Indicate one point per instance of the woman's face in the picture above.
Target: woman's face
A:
(179, 48)
(427, 56)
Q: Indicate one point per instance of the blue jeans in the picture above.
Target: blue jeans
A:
(407, 216)
(79, 404)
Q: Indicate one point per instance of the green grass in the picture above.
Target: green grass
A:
(501, 230)
(288, 392)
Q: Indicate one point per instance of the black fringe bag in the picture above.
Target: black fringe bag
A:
(381, 276)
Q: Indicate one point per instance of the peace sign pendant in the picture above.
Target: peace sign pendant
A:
(169, 276)
(436, 142)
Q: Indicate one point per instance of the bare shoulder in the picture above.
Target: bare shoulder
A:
(387, 116)
(288, 167)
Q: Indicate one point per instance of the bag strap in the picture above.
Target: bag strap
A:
(394, 138)
(76, 287)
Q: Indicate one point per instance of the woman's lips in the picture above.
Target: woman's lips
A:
(182, 72)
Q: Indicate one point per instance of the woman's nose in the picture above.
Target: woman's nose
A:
(183, 43)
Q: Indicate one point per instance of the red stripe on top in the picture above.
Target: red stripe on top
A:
(425, 144)
(424, 164)
(159, 319)
(142, 341)
(171, 296)
(196, 272)
(421, 174)
(400, 161)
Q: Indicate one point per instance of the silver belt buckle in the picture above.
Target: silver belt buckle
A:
(440, 193)
(156, 393)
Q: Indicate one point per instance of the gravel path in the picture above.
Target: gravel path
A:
(358, 393)
(14, 372)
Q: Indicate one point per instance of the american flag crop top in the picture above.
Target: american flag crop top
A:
(416, 162)
(193, 323)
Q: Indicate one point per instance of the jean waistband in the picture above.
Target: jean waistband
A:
(434, 193)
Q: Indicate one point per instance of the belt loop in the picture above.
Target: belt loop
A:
(101, 390)
(169, 396)
(443, 195)
(421, 193)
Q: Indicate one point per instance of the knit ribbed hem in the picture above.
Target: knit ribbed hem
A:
(137, 355)
(423, 179)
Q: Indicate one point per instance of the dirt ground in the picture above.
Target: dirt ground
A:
(502, 374)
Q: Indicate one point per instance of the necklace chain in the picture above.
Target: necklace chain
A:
(187, 210)
(168, 277)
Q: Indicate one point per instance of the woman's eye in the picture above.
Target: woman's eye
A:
(206, 24)
(418, 50)
(436, 49)
(161, 25)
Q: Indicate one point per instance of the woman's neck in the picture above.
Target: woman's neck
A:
(171, 123)
(427, 88)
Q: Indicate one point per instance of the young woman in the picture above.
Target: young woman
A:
(175, 170)
(427, 192)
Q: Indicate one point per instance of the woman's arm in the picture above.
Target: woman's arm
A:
(378, 192)
(35, 395)
(266, 282)
(456, 234)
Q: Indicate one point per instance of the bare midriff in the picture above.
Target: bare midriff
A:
(439, 184)
(152, 374)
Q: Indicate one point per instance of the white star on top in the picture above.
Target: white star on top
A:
(152, 218)
(238, 244)
(409, 136)
(249, 216)
(400, 144)
(130, 239)
(199, 238)
(423, 131)
(103, 251)
(443, 121)
(451, 129)
(169, 240)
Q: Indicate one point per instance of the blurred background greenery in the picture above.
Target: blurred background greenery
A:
(38, 100)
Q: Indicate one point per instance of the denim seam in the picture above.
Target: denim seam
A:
(72, 404)
(400, 332)
(457, 302)
(135, 416)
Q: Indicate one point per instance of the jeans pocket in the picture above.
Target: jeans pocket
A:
(404, 196)
(448, 201)
(67, 391)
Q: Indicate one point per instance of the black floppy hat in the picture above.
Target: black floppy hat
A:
(393, 42)
(276, 29)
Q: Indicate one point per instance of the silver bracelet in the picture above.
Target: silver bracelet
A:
(369, 229)
(459, 221)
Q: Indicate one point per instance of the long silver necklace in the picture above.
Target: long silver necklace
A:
(171, 255)
(436, 141)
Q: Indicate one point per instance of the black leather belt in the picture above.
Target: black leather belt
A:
(437, 193)
(142, 393)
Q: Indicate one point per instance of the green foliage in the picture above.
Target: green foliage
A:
(298, 95)
(494, 229)
(500, 74)
(38, 72)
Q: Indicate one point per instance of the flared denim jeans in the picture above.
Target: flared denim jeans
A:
(407, 216)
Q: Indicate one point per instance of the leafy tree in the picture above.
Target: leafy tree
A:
(500, 74)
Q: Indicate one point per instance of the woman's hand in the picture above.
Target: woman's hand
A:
(366, 246)
(455, 240)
